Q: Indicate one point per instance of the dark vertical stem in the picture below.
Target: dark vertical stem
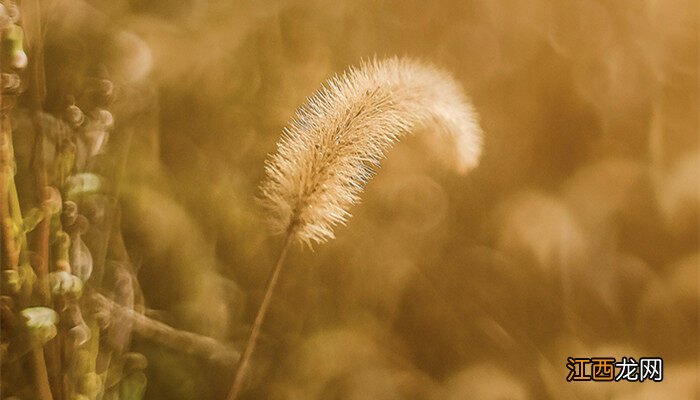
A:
(257, 324)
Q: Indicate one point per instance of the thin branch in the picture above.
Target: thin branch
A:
(259, 319)
(163, 334)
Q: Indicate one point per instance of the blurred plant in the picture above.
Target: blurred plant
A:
(50, 276)
(22, 283)
(335, 142)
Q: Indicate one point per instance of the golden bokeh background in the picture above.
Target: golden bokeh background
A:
(577, 235)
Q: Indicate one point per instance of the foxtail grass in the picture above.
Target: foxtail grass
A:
(334, 145)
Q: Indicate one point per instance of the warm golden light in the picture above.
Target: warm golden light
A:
(563, 262)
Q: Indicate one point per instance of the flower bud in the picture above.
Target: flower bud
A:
(64, 283)
(103, 92)
(19, 59)
(41, 322)
(104, 118)
(73, 115)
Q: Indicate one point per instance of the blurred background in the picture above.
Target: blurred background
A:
(577, 235)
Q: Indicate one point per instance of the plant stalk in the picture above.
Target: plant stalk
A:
(166, 335)
(259, 318)
(41, 375)
(10, 250)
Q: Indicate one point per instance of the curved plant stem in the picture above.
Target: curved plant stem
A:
(259, 318)
(166, 335)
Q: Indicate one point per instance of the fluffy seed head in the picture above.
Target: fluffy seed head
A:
(336, 140)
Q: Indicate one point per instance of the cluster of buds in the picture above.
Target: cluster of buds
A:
(41, 323)
(44, 288)
(12, 45)
(12, 35)
(92, 127)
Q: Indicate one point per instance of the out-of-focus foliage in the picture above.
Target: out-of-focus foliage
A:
(577, 235)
